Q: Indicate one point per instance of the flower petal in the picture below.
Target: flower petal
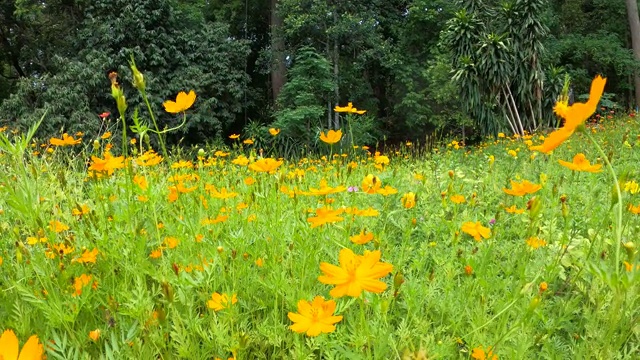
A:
(9, 345)
(32, 349)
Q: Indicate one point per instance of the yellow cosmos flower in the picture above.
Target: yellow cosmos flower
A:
(9, 347)
(514, 210)
(534, 242)
(457, 199)
(221, 301)
(80, 210)
(408, 200)
(234, 136)
(476, 230)
(314, 317)
(267, 165)
(94, 335)
(522, 188)
(355, 274)
(371, 184)
(387, 190)
(634, 209)
(106, 135)
(241, 160)
(331, 137)
(580, 163)
(183, 102)
(248, 142)
(274, 131)
(574, 115)
(631, 187)
(348, 109)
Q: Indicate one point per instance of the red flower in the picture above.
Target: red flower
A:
(104, 115)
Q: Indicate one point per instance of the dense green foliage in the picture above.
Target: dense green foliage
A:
(420, 67)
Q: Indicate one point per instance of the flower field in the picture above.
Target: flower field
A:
(515, 248)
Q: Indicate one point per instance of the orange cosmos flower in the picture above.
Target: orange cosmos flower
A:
(476, 230)
(274, 131)
(66, 140)
(314, 317)
(221, 301)
(355, 273)
(57, 226)
(324, 189)
(141, 181)
(574, 115)
(183, 102)
(267, 165)
(149, 158)
(156, 253)
(408, 200)
(348, 109)
(80, 210)
(87, 257)
(522, 188)
(362, 238)
(80, 282)
(634, 209)
(108, 164)
(331, 137)
(234, 136)
(94, 334)
(479, 354)
(9, 347)
(325, 215)
(580, 163)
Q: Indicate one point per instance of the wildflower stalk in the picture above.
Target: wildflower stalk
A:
(155, 123)
(619, 209)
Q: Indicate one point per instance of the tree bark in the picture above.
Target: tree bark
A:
(634, 27)
(279, 69)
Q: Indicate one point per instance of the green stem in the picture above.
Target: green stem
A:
(124, 136)
(155, 123)
(619, 209)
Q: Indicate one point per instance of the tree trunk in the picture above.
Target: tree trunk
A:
(279, 69)
(634, 27)
(336, 71)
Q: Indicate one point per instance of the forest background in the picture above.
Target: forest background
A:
(421, 68)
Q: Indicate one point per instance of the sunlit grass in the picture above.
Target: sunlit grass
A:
(465, 252)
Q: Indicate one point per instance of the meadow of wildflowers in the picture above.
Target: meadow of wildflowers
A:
(516, 248)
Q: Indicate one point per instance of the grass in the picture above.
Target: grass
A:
(447, 295)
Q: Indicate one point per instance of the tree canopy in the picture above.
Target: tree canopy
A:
(420, 67)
